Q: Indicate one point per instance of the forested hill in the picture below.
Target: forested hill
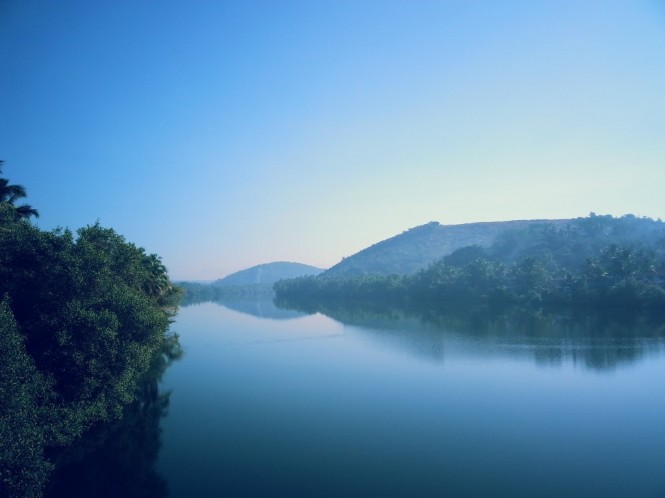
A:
(267, 274)
(597, 261)
(418, 247)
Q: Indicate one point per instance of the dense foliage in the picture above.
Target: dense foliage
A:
(83, 319)
(118, 458)
(598, 261)
(195, 292)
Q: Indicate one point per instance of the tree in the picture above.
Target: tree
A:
(24, 394)
(83, 323)
(9, 194)
(531, 281)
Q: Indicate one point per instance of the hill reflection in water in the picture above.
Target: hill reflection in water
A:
(261, 306)
(596, 341)
(356, 402)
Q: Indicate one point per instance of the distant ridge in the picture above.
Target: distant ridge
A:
(245, 286)
(420, 246)
(267, 274)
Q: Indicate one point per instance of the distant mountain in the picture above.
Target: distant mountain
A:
(418, 247)
(267, 274)
(246, 285)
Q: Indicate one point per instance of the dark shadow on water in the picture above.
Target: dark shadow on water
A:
(117, 459)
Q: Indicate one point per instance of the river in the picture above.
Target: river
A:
(271, 403)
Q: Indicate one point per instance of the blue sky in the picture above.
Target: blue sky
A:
(224, 134)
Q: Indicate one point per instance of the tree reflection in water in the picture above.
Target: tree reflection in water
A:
(590, 339)
(116, 459)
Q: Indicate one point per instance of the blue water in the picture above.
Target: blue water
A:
(307, 406)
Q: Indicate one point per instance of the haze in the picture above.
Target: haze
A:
(221, 135)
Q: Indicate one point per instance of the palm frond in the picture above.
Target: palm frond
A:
(10, 193)
(26, 211)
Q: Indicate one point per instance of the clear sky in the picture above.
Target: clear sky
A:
(224, 134)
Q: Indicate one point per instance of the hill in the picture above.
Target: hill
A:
(267, 274)
(594, 262)
(247, 284)
(418, 247)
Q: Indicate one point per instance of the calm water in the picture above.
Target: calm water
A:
(268, 403)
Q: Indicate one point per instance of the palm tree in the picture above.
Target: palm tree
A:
(157, 283)
(9, 194)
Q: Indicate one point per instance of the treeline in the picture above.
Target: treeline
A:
(84, 320)
(195, 292)
(599, 261)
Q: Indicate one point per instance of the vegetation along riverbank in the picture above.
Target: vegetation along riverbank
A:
(84, 324)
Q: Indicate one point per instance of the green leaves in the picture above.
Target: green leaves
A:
(9, 194)
(24, 395)
(84, 320)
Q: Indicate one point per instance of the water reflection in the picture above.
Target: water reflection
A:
(591, 340)
(595, 341)
(394, 404)
(117, 459)
(260, 306)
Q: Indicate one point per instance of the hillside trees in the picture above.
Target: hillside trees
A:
(598, 262)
